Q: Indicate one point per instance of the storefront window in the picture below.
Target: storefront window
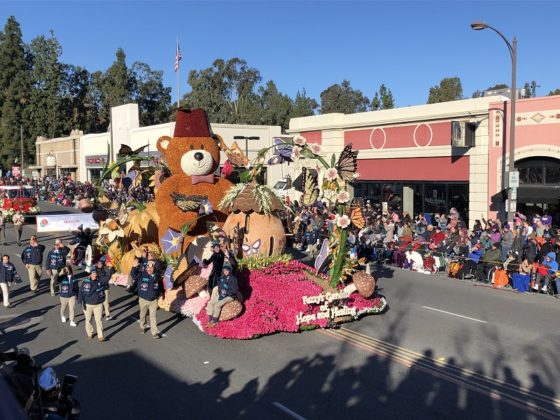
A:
(429, 197)
(458, 197)
(418, 198)
(435, 200)
(552, 175)
(94, 175)
(531, 175)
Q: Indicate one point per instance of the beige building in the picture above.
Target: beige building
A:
(59, 156)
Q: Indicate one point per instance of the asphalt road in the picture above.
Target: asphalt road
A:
(444, 349)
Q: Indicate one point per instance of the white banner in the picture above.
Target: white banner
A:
(65, 222)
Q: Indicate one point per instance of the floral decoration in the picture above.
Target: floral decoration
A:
(172, 241)
(331, 174)
(110, 231)
(274, 300)
(343, 221)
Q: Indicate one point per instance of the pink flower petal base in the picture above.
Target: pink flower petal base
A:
(272, 303)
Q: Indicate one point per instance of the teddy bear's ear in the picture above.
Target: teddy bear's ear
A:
(220, 142)
(163, 143)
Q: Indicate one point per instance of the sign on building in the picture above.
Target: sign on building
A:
(514, 179)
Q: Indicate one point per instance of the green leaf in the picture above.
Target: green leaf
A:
(333, 160)
(185, 228)
(245, 177)
(306, 152)
(139, 206)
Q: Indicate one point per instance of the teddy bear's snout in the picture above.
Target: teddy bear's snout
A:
(198, 156)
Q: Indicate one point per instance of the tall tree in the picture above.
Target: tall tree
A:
(79, 102)
(554, 92)
(530, 89)
(153, 99)
(15, 88)
(227, 90)
(449, 89)
(383, 99)
(304, 106)
(45, 111)
(116, 85)
(343, 98)
(276, 107)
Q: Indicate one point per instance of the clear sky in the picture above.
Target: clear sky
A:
(409, 46)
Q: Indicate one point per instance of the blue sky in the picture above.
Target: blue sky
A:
(409, 46)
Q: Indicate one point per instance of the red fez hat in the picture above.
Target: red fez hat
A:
(192, 123)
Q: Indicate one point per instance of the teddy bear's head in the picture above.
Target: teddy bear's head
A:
(193, 149)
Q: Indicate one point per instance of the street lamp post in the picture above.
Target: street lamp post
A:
(21, 146)
(477, 26)
(246, 138)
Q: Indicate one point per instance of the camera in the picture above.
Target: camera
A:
(67, 386)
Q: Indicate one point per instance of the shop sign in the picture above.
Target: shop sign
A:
(96, 160)
(51, 161)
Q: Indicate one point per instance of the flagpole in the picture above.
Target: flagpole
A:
(177, 73)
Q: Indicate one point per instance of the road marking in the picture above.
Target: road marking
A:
(451, 313)
(495, 389)
(288, 411)
(414, 357)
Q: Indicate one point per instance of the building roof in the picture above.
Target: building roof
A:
(443, 110)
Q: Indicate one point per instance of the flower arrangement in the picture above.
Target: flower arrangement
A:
(261, 261)
(334, 193)
(274, 300)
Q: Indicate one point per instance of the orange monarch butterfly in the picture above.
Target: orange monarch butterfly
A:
(357, 218)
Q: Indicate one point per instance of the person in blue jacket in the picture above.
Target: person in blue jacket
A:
(92, 294)
(69, 290)
(150, 287)
(8, 275)
(56, 261)
(104, 274)
(225, 291)
(32, 257)
(552, 267)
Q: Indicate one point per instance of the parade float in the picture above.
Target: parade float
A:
(14, 198)
(194, 208)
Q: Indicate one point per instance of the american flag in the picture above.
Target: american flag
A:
(178, 57)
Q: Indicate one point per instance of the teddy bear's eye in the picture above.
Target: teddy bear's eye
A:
(192, 146)
(202, 147)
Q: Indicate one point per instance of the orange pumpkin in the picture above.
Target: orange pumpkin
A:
(264, 234)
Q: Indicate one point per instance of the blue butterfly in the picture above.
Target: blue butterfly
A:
(282, 152)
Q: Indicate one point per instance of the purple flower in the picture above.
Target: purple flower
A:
(167, 282)
(172, 241)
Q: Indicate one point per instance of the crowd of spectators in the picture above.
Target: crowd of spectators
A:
(66, 192)
(432, 243)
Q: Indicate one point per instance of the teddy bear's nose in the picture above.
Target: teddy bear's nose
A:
(198, 156)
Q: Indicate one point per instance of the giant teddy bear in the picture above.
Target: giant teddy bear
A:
(193, 156)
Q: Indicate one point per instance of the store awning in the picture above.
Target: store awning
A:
(538, 194)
